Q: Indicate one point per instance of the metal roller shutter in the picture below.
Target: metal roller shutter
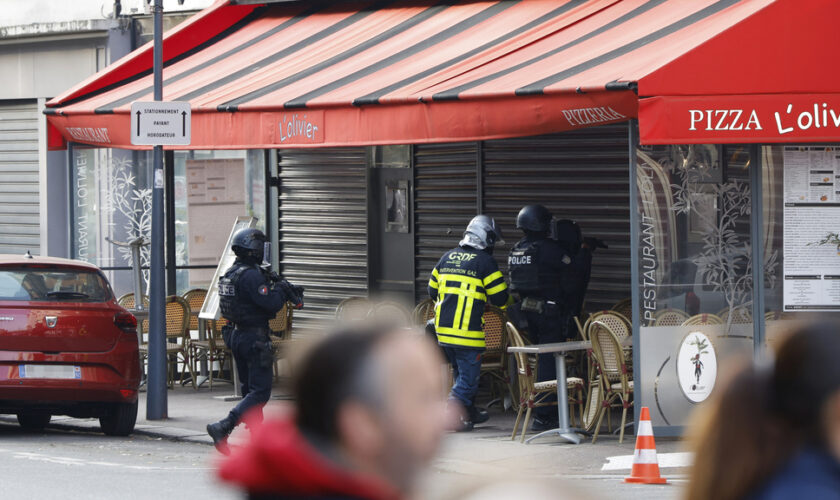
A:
(19, 208)
(581, 175)
(323, 227)
(445, 200)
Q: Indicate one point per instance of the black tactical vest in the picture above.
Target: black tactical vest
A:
(523, 263)
(231, 305)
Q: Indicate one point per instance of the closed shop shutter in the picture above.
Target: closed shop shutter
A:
(19, 209)
(581, 175)
(323, 227)
(445, 200)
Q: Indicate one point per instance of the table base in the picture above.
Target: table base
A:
(570, 435)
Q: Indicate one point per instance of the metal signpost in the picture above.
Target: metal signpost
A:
(157, 124)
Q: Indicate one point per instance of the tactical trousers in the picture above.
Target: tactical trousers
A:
(254, 358)
(466, 370)
(546, 329)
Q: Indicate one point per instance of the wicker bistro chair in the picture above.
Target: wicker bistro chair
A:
(703, 319)
(213, 349)
(624, 307)
(614, 372)
(128, 302)
(494, 360)
(281, 330)
(195, 299)
(424, 311)
(353, 309)
(177, 336)
(392, 312)
(669, 317)
(533, 394)
(740, 315)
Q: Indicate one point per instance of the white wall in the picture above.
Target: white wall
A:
(23, 12)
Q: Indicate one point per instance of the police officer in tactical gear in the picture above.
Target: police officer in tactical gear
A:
(249, 297)
(462, 282)
(539, 268)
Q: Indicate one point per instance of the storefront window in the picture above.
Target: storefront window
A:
(112, 198)
(801, 213)
(695, 270)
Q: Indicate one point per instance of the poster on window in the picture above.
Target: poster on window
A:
(811, 228)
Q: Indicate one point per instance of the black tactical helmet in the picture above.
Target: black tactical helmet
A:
(534, 218)
(249, 243)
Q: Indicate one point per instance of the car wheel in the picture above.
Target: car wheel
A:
(33, 421)
(120, 419)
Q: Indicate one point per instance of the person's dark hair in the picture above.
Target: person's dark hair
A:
(763, 416)
(335, 371)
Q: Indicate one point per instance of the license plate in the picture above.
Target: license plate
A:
(50, 371)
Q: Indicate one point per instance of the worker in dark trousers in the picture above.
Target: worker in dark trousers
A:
(249, 297)
(462, 282)
(539, 267)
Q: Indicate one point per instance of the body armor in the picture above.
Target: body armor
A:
(232, 307)
(524, 266)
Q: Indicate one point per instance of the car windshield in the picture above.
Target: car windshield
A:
(50, 285)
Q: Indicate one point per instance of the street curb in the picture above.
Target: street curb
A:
(176, 434)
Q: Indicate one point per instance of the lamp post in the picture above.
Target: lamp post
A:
(156, 403)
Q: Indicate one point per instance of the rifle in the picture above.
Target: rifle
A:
(293, 293)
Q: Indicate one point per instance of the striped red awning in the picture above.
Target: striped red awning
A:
(397, 72)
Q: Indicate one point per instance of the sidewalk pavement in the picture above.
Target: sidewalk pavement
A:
(487, 452)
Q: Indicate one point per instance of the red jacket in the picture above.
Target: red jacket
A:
(278, 462)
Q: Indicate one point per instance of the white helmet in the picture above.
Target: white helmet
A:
(482, 233)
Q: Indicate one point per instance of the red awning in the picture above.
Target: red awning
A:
(771, 78)
(398, 72)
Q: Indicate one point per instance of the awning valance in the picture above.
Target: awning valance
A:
(398, 72)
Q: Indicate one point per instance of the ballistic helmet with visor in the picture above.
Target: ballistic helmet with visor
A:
(249, 243)
(534, 218)
(482, 232)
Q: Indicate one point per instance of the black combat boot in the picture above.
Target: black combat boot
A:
(220, 431)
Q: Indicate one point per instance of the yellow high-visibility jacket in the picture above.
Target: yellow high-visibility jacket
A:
(462, 282)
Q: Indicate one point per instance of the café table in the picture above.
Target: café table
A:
(559, 350)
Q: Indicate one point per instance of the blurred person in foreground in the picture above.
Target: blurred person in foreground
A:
(370, 415)
(773, 433)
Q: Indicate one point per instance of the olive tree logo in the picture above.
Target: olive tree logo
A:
(696, 366)
(701, 345)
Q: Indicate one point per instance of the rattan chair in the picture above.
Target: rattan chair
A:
(127, 301)
(391, 312)
(281, 333)
(494, 359)
(618, 325)
(778, 316)
(703, 319)
(213, 349)
(740, 315)
(177, 338)
(533, 394)
(424, 311)
(353, 309)
(195, 299)
(669, 317)
(594, 405)
(624, 307)
(613, 371)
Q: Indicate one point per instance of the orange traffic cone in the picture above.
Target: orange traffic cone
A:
(645, 465)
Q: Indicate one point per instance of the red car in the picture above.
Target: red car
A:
(66, 346)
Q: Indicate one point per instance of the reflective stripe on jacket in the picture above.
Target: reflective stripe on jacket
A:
(462, 282)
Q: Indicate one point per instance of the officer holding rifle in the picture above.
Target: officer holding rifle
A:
(250, 296)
